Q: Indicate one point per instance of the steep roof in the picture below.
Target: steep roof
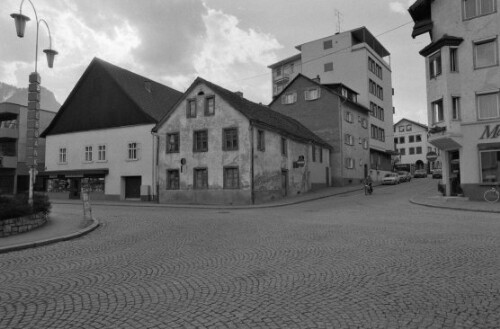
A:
(108, 96)
(257, 114)
(411, 121)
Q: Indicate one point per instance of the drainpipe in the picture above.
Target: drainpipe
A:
(154, 177)
(341, 148)
(252, 165)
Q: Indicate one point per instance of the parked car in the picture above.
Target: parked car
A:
(420, 173)
(404, 176)
(390, 179)
(437, 173)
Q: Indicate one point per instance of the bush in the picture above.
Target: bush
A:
(18, 206)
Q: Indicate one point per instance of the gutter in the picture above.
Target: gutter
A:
(252, 187)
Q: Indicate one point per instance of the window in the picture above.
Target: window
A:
(365, 143)
(328, 67)
(173, 143)
(284, 149)
(411, 139)
(381, 134)
(487, 105)
(278, 72)
(200, 177)
(62, 155)
(327, 44)
(364, 123)
(261, 141)
(395, 140)
(348, 117)
(210, 105)
(437, 111)
(101, 153)
(435, 65)
(419, 149)
(230, 139)
(88, 153)
(474, 8)
(191, 108)
(455, 108)
(349, 163)
(313, 153)
(418, 138)
(231, 178)
(401, 129)
(408, 127)
(172, 179)
(133, 151)
(311, 94)
(412, 150)
(401, 140)
(349, 139)
(200, 141)
(375, 89)
(402, 151)
(490, 166)
(453, 60)
(485, 53)
(289, 98)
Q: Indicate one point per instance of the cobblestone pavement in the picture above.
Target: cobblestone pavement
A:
(350, 261)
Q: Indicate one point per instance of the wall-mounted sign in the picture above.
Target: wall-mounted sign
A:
(431, 156)
(490, 134)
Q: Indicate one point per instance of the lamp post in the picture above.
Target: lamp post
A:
(33, 95)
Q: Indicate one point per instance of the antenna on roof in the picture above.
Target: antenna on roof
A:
(340, 19)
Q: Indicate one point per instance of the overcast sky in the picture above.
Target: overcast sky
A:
(229, 42)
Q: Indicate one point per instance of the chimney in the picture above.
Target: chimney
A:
(317, 79)
(239, 93)
(147, 85)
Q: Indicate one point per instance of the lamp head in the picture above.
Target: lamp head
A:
(20, 21)
(51, 53)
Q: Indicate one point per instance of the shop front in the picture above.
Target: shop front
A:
(68, 184)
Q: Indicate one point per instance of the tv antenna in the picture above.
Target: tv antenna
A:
(340, 19)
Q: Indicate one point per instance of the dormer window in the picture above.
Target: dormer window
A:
(312, 94)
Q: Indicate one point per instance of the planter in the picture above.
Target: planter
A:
(13, 226)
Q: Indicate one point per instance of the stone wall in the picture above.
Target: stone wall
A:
(14, 226)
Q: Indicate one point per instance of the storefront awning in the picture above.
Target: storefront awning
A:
(446, 142)
(74, 173)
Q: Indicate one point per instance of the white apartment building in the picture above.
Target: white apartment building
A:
(359, 61)
(410, 141)
(463, 89)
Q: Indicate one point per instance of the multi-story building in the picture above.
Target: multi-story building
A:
(463, 89)
(14, 173)
(333, 113)
(356, 59)
(101, 137)
(217, 147)
(410, 141)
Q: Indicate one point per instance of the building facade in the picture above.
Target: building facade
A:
(410, 142)
(14, 173)
(215, 147)
(332, 112)
(101, 137)
(356, 59)
(463, 89)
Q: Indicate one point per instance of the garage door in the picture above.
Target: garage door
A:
(133, 187)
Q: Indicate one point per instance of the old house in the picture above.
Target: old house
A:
(217, 147)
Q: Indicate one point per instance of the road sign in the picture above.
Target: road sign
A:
(431, 156)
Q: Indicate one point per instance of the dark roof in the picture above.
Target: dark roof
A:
(108, 96)
(257, 114)
(411, 121)
(331, 88)
(420, 12)
(446, 40)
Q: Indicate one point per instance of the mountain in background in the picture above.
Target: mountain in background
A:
(17, 95)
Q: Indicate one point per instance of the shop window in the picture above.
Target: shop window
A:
(490, 166)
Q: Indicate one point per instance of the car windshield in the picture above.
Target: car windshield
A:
(390, 175)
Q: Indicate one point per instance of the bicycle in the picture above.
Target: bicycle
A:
(491, 195)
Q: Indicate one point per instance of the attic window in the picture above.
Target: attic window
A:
(201, 93)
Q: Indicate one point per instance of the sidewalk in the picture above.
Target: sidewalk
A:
(61, 228)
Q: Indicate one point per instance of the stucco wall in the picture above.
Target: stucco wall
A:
(116, 141)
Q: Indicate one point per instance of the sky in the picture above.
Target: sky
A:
(228, 42)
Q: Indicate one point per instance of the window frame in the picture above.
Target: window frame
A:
(195, 140)
(226, 170)
(284, 146)
(309, 94)
(189, 108)
(435, 64)
(453, 59)
(328, 67)
(101, 153)
(455, 108)
(477, 9)
(440, 113)
(327, 44)
(177, 143)
(169, 180)
(132, 151)
(476, 43)
(208, 100)
(63, 152)
(261, 140)
(88, 153)
(289, 98)
(481, 170)
(204, 178)
(235, 139)
(497, 93)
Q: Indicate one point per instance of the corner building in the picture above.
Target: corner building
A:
(463, 89)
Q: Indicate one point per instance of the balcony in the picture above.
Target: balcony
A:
(9, 111)
(9, 133)
(8, 161)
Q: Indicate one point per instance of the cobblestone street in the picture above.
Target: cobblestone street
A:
(349, 261)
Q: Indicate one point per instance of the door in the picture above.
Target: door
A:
(74, 188)
(284, 182)
(133, 187)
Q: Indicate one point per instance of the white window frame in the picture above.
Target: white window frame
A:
(435, 64)
(436, 114)
(478, 95)
(349, 117)
(312, 94)
(289, 98)
(88, 153)
(455, 108)
(101, 153)
(63, 155)
(133, 151)
(453, 59)
(477, 9)
(349, 139)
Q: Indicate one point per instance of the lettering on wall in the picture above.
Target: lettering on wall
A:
(490, 133)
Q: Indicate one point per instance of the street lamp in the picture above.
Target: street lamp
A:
(33, 94)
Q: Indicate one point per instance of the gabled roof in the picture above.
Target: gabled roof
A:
(256, 114)
(108, 96)
(411, 121)
(330, 88)
(286, 60)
